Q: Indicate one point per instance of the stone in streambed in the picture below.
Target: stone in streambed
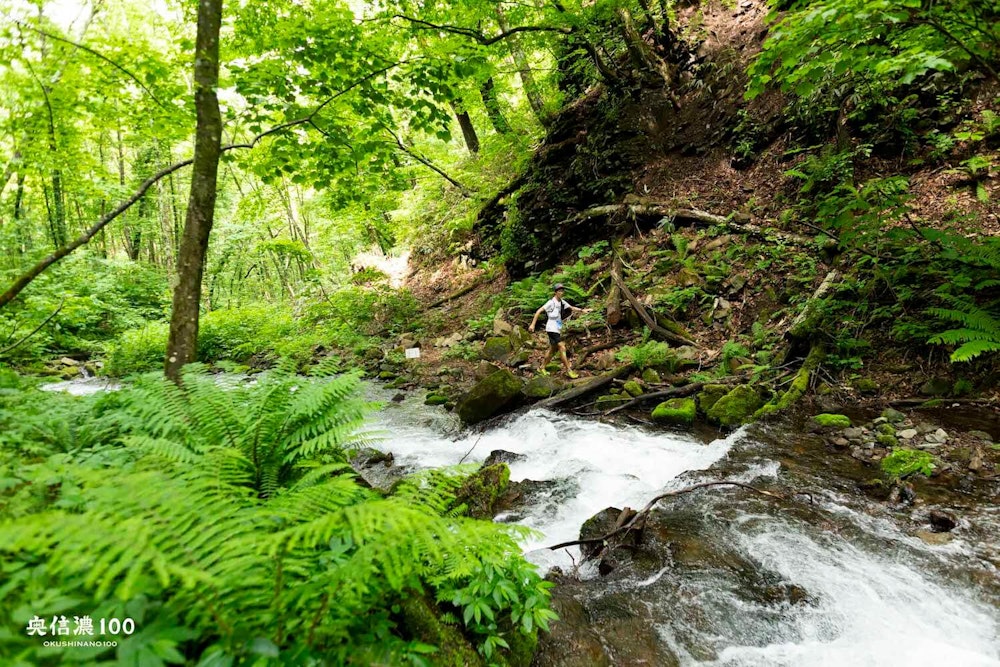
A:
(907, 434)
(942, 521)
(675, 411)
(490, 396)
(710, 395)
(736, 407)
(482, 491)
(832, 421)
(435, 399)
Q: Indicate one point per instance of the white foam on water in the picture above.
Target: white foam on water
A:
(611, 466)
(866, 606)
(865, 610)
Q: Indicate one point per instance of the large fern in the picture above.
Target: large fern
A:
(978, 331)
(220, 556)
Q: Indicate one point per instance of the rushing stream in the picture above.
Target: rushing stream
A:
(825, 579)
(833, 582)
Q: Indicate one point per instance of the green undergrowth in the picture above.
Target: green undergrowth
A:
(233, 531)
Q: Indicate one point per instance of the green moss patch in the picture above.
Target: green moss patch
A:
(675, 411)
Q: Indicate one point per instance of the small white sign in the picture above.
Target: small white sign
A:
(413, 353)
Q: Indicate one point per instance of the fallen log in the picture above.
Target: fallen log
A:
(584, 388)
(598, 347)
(674, 392)
(454, 295)
(691, 216)
(655, 328)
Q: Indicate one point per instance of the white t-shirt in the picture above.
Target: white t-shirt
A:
(554, 310)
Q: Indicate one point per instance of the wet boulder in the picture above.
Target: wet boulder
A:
(736, 407)
(502, 456)
(490, 396)
(942, 522)
(481, 493)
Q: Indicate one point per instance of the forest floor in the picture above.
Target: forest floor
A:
(733, 290)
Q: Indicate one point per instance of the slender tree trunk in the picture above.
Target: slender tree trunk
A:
(23, 236)
(468, 129)
(182, 346)
(523, 70)
(492, 103)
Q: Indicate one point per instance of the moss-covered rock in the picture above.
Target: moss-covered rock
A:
(866, 386)
(894, 416)
(542, 386)
(435, 399)
(481, 492)
(709, 396)
(736, 407)
(886, 440)
(421, 620)
(650, 376)
(498, 348)
(611, 400)
(489, 397)
(387, 375)
(886, 429)
(827, 420)
(632, 388)
(675, 411)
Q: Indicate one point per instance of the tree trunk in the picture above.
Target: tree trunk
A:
(182, 345)
(523, 70)
(468, 129)
(22, 234)
(489, 94)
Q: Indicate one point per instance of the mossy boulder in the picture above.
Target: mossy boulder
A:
(709, 396)
(866, 386)
(435, 399)
(482, 491)
(832, 421)
(542, 386)
(489, 397)
(650, 376)
(421, 620)
(675, 411)
(736, 407)
(632, 388)
(498, 348)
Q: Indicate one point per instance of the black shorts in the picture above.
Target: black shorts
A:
(554, 338)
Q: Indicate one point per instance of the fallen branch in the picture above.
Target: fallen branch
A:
(935, 402)
(33, 331)
(666, 335)
(804, 325)
(674, 392)
(585, 388)
(644, 512)
(598, 347)
(454, 295)
(693, 216)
